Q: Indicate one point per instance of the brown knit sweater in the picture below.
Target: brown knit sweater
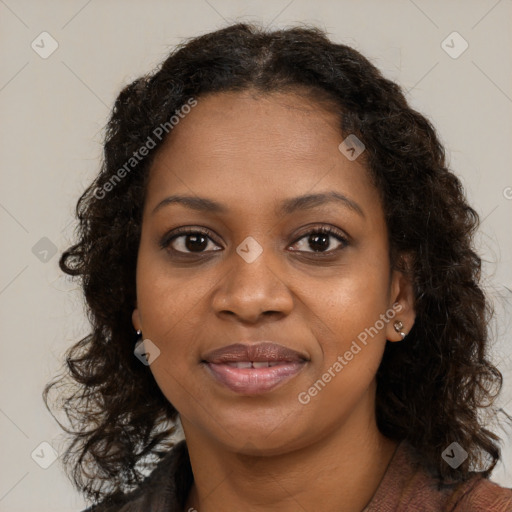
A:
(405, 487)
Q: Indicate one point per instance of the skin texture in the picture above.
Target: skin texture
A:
(269, 452)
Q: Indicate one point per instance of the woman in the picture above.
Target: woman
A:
(275, 256)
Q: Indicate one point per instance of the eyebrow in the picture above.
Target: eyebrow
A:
(287, 207)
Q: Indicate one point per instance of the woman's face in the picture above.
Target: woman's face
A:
(255, 274)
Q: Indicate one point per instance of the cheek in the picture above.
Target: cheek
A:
(349, 323)
(169, 310)
(348, 356)
(350, 303)
(166, 296)
(175, 312)
(166, 305)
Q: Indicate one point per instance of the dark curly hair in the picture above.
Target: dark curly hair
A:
(429, 390)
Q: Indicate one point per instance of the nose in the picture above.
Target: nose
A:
(252, 289)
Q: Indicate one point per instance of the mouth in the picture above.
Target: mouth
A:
(254, 369)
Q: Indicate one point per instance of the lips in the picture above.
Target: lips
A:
(254, 369)
(260, 352)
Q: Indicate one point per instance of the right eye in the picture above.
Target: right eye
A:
(187, 241)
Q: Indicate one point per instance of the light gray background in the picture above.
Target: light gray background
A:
(53, 111)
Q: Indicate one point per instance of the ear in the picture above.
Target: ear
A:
(402, 303)
(136, 320)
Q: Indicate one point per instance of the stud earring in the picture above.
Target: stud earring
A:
(139, 333)
(398, 325)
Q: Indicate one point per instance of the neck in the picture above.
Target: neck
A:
(343, 468)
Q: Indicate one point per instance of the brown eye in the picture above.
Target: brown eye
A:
(320, 240)
(188, 241)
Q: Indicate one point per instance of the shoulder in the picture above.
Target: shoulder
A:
(476, 494)
(408, 486)
(482, 494)
(160, 491)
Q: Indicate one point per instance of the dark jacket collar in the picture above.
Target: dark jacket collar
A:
(170, 482)
(164, 490)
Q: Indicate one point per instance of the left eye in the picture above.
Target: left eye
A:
(321, 238)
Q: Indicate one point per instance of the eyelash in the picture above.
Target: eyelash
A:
(325, 230)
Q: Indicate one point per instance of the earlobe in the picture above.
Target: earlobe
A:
(403, 299)
(136, 320)
(399, 326)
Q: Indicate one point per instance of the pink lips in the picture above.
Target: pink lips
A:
(254, 369)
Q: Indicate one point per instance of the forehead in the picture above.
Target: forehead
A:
(289, 122)
(241, 145)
